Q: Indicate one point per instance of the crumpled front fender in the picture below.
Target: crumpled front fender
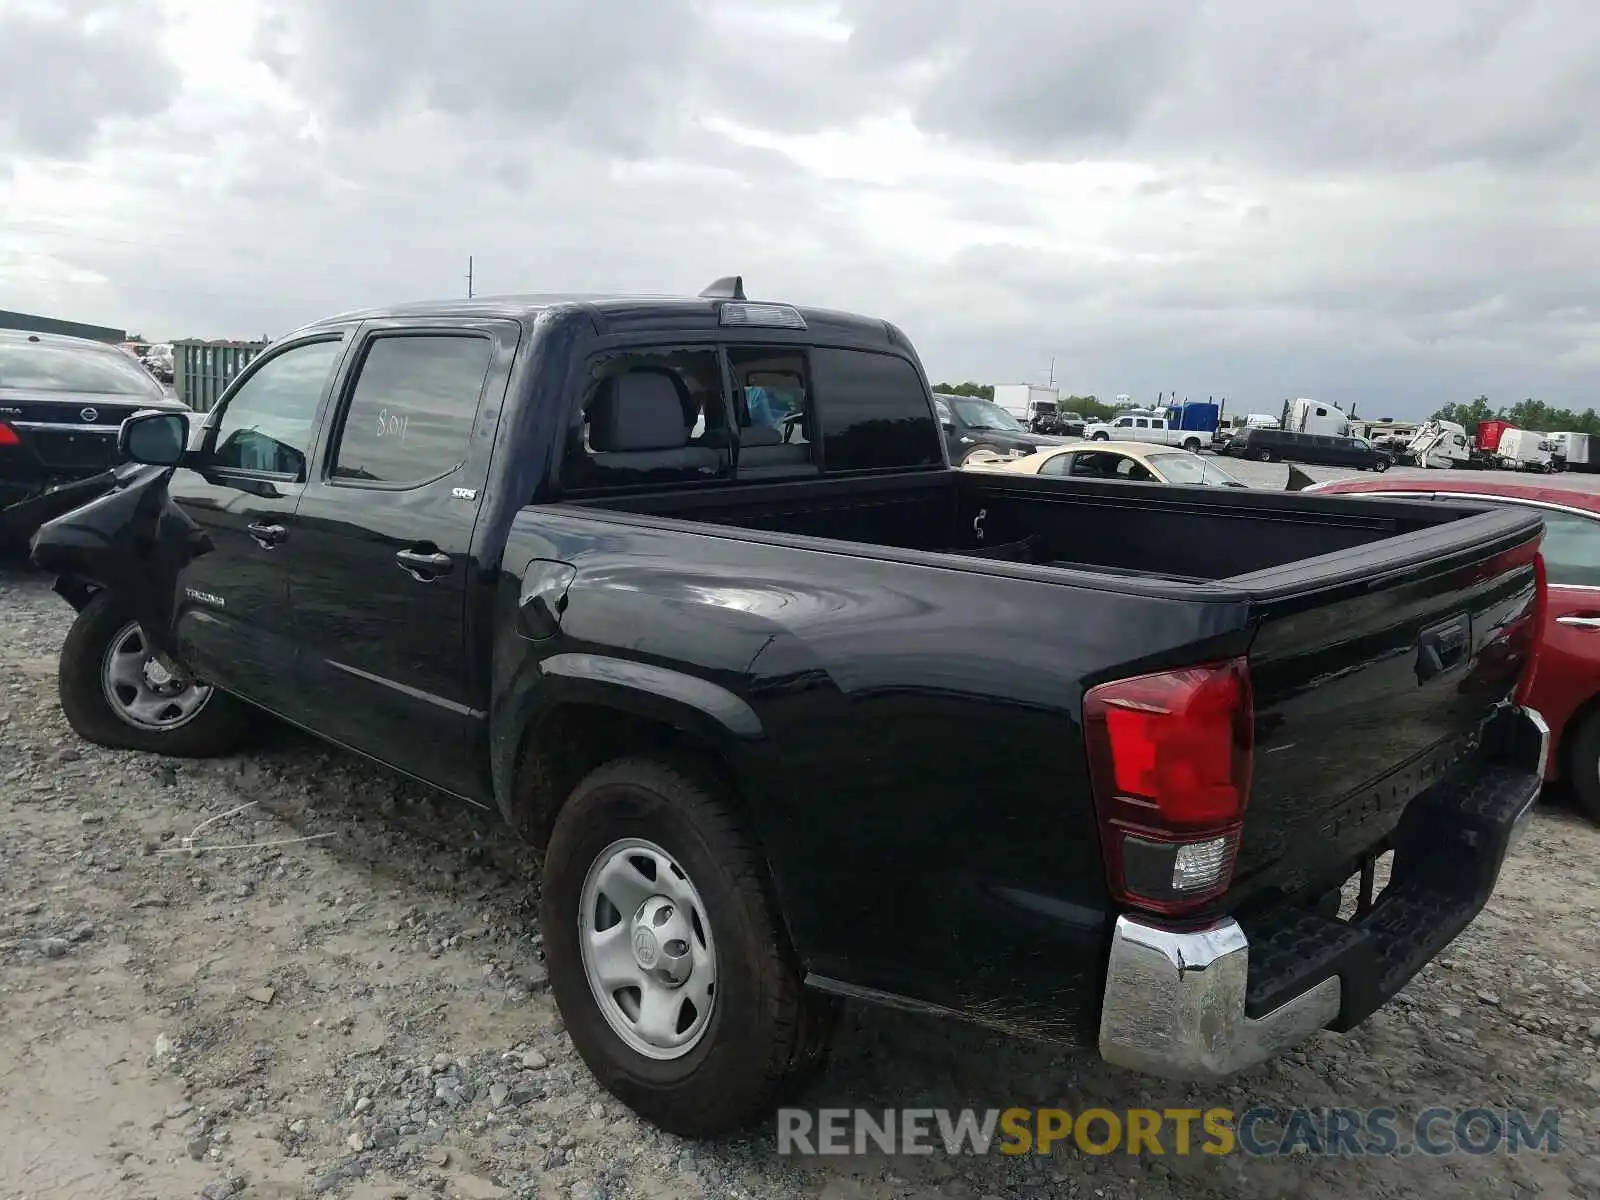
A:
(25, 516)
(132, 539)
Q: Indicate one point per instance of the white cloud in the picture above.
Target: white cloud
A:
(1389, 207)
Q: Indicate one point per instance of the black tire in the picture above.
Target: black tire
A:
(1264, 455)
(217, 728)
(1101, 437)
(1381, 465)
(1583, 766)
(767, 1034)
(967, 457)
(1192, 445)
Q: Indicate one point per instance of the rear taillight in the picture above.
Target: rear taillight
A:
(1169, 761)
(1534, 623)
(8, 436)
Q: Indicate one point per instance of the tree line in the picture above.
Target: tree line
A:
(1530, 414)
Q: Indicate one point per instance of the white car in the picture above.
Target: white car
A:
(1146, 429)
(1129, 461)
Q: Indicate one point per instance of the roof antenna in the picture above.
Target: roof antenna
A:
(729, 287)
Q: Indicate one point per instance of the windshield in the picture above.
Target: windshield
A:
(41, 368)
(1191, 468)
(986, 414)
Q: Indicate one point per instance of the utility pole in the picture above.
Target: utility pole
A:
(1052, 370)
(469, 277)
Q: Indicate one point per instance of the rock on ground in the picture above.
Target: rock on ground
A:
(364, 1015)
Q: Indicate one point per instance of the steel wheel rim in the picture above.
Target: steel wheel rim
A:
(647, 949)
(141, 691)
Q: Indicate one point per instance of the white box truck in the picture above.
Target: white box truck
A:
(1021, 399)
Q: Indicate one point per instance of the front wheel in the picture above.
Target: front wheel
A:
(1381, 465)
(1101, 437)
(116, 693)
(1264, 455)
(665, 955)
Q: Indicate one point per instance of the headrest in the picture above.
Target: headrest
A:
(637, 411)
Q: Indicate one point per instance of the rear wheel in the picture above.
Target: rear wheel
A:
(665, 954)
(1583, 766)
(1192, 445)
(116, 693)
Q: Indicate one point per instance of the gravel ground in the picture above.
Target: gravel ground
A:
(366, 1014)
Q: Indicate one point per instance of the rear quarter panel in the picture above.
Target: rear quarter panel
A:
(907, 738)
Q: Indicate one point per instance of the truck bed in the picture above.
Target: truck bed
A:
(1378, 635)
(1118, 530)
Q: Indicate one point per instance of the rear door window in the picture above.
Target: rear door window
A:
(874, 412)
(1571, 550)
(411, 413)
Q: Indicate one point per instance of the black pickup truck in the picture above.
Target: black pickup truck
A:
(724, 670)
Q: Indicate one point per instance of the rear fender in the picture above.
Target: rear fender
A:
(131, 539)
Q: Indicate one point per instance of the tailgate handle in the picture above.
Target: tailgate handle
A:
(1441, 648)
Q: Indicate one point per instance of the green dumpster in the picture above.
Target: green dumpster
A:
(201, 370)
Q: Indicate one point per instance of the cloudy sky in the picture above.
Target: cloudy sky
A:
(1396, 205)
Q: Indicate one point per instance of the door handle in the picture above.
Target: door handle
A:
(1580, 622)
(267, 536)
(424, 566)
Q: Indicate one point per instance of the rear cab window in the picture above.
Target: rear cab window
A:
(874, 411)
(681, 415)
(649, 416)
(773, 411)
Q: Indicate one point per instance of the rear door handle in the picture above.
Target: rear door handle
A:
(1580, 622)
(424, 566)
(266, 535)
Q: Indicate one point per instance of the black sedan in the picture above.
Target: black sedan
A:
(62, 400)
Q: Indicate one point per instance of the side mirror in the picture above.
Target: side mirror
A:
(157, 439)
(948, 426)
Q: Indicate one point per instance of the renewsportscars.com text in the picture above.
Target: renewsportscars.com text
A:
(1258, 1132)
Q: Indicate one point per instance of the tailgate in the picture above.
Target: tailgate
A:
(1373, 671)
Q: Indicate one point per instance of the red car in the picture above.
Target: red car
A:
(1566, 682)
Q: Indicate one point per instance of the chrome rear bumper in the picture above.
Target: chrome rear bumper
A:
(1176, 1002)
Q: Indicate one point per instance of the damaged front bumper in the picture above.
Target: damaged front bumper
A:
(1201, 1004)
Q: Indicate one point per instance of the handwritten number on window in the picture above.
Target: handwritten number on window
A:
(392, 425)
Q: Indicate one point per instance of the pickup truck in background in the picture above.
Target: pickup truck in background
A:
(1146, 429)
(974, 427)
(706, 655)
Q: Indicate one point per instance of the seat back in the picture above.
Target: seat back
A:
(638, 422)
